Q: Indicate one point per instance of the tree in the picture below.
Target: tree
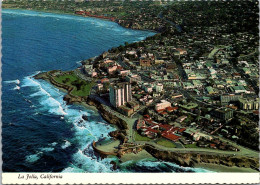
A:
(146, 111)
(106, 86)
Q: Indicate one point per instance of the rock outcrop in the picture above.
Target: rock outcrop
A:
(188, 159)
(107, 116)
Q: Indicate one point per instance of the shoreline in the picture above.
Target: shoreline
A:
(210, 166)
(73, 14)
(214, 166)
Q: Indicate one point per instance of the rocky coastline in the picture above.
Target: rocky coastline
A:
(186, 159)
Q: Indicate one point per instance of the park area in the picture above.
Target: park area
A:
(80, 87)
(138, 137)
(166, 143)
(191, 145)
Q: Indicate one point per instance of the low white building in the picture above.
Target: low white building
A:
(164, 104)
(158, 88)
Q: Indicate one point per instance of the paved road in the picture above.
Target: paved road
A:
(130, 122)
(82, 76)
(160, 15)
(243, 152)
(130, 132)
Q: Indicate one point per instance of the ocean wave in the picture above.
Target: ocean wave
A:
(33, 158)
(53, 144)
(127, 33)
(16, 87)
(85, 160)
(12, 81)
(47, 149)
(58, 17)
(54, 105)
(162, 166)
(154, 165)
(66, 144)
(141, 38)
(88, 163)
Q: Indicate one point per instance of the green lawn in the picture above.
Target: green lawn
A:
(61, 79)
(138, 137)
(166, 143)
(69, 79)
(191, 146)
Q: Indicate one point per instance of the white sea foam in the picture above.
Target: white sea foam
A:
(54, 105)
(53, 144)
(172, 166)
(98, 22)
(73, 169)
(86, 163)
(66, 144)
(85, 132)
(127, 33)
(84, 159)
(33, 158)
(12, 81)
(47, 149)
(16, 87)
(141, 38)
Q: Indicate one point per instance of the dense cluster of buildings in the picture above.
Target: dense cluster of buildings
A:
(200, 71)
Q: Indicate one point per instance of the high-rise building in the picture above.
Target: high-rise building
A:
(224, 114)
(249, 104)
(120, 93)
(225, 99)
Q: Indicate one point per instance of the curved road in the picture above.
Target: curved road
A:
(242, 152)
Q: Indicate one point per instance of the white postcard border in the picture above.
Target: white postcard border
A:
(130, 178)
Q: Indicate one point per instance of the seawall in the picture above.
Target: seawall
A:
(101, 153)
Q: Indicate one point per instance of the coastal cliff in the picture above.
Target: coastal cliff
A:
(107, 116)
(188, 159)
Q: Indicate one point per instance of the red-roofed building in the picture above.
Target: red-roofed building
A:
(80, 12)
(104, 80)
(160, 110)
(146, 116)
(173, 129)
(151, 133)
(181, 130)
(152, 130)
(150, 122)
(165, 127)
(236, 75)
(170, 136)
(120, 68)
(163, 113)
(171, 109)
(213, 146)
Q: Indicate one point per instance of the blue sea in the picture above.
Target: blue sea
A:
(40, 133)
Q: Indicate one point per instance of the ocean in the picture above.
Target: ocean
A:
(39, 131)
